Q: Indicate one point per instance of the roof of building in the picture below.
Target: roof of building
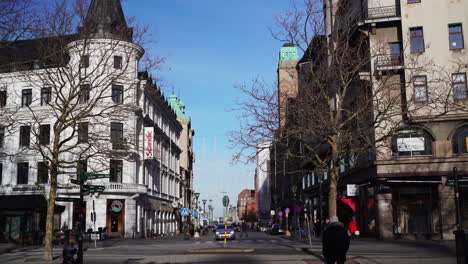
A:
(22, 54)
(288, 53)
(106, 19)
(314, 49)
(179, 107)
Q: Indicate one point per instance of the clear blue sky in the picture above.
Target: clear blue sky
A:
(210, 46)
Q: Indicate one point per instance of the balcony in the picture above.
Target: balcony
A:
(389, 62)
(381, 14)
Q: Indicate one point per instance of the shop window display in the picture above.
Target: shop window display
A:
(415, 210)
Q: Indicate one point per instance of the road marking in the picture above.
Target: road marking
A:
(220, 250)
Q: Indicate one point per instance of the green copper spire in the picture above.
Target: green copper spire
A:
(178, 106)
(288, 52)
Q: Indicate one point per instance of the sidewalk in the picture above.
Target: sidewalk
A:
(441, 244)
(16, 247)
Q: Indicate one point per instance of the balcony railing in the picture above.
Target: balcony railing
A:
(382, 12)
(389, 61)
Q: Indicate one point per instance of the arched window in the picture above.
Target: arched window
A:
(460, 140)
(412, 142)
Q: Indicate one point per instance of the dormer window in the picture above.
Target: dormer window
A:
(118, 62)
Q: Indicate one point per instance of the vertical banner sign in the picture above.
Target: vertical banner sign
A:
(149, 138)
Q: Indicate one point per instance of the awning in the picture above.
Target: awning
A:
(26, 202)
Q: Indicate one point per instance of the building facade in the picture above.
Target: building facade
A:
(262, 182)
(246, 205)
(400, 190)
(135, 145)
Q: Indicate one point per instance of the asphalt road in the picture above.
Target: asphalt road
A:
(256, 248)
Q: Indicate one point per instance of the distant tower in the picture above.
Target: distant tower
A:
(287, 78)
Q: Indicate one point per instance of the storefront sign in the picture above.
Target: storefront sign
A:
(410, 144)
(26, 189)
(149, 138)
(116, 206)
(352, 190)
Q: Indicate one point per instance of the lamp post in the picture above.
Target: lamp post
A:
(197, 233)
(306, 213)
(293, 190)
(204, 208)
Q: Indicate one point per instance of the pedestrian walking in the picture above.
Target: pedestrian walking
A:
(335, 242)
(352, 228)
(244, 229)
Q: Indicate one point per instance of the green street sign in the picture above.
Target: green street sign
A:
(66, 199)
(94, 188)
(94, 176)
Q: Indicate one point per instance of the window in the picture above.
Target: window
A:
(417, 40)
(3, 98)
(45, 96)
(459, 86)
(83, 96)
(117, 94)
(44, 134)
(81, 167)
(23, 170)
(460, 140)
(412, 142)
(2, 136)
(84, 62)
(42, 172)
(117, 135)
(117, 62)
(420, 89)
(25, 133)
(456, 36)
(26, 97)
(83, 132)
(37, 65)
(116, 169)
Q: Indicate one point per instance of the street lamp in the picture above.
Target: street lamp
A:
(204, 207)
(294, 190)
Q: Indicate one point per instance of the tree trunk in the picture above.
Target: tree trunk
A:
(48, 254)
(334, 174)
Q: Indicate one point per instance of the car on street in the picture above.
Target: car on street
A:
(229, 232)
(276, 229)
(264, 226)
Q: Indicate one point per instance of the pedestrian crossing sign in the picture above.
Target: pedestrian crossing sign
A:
(184, 211)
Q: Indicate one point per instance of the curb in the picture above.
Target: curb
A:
(312, 250)
(221, 250)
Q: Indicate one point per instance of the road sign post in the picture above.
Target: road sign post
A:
(286, 211)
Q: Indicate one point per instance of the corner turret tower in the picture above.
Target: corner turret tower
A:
(105, 19)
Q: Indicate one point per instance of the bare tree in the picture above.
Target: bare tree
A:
(88, 86)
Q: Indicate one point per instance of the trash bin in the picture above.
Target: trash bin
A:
(461, 245)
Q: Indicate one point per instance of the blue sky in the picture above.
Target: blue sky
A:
(211, 45)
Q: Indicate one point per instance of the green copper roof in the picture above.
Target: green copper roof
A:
(178, 106)
(288, 53)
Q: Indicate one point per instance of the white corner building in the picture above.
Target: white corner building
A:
(134, 146)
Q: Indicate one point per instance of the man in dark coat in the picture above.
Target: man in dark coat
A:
(335, 242)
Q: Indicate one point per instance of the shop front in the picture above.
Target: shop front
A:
(115, 218)
(22, 218)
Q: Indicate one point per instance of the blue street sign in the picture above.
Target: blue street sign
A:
(184, 211)
(195, 213)
(286, 211)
